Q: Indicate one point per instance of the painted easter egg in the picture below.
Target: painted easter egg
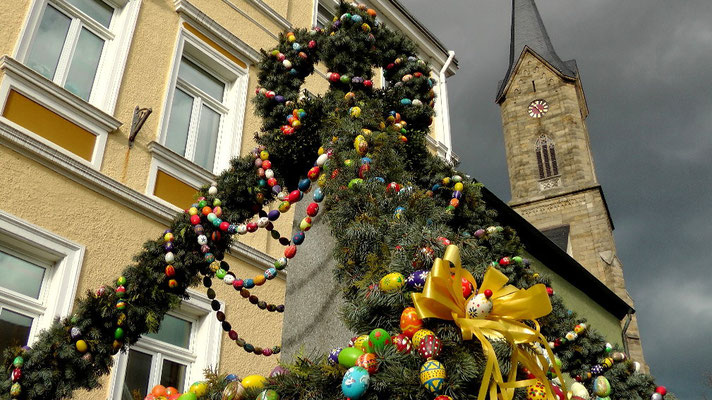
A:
(432, 376)
(601, 386)
(579, 390)
(361, 343)
(391, 282)
(378, 339)
(368, 362)
(430, 347)
(333, 357)
(420, 335)
(410, 322)
(416, 280)
(478, 307)
(536, 391)
(403, 343)
(268, 395)
(355, 383)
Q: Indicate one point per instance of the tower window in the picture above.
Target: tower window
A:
(546, 157)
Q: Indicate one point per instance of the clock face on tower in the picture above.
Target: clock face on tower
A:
(538, 108)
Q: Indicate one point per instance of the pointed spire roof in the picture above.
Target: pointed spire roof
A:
(528, 31)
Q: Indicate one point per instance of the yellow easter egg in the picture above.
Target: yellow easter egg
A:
(536, 391)
(459, 186)
(421, 334)
(254, 382)
(432, 375)
(392, 282)
(361, 342)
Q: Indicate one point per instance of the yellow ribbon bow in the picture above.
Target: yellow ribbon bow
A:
(442, 298)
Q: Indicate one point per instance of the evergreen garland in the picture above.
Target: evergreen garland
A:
(372, 240)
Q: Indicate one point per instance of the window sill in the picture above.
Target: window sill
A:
(180, 167)
(70, 106)
(59, 103)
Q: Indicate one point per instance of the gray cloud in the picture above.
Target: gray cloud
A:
(646, 67)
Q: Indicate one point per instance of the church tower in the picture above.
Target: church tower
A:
(551, 171)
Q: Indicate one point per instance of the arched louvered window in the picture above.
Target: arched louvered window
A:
(546, 157)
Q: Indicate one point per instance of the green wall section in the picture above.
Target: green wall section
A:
(600, 319)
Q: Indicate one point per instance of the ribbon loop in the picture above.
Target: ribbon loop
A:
(442, 298)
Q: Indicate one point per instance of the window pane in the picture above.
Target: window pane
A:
(97, 9)
(84, 64)
(202, 79)
(48, 42)
(173, 374)
(173, 330)
(15, 329)
(20, 276)
(179, 122)
(206, 145)
(138, 370)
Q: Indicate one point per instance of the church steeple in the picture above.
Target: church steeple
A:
(551, 170)
(528, 31)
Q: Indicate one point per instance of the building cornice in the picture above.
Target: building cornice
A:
(271, 13)
(597, 188)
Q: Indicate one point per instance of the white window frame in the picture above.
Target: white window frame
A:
(204, 351)
(330, 5)
(233, 106)
(117, 37)
(62, 259)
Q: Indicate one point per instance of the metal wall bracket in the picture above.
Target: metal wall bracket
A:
(139, 118)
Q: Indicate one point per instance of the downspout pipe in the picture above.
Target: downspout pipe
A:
(629, 318)
(445, 110)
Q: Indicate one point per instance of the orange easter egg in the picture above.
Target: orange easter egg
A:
(410, 322)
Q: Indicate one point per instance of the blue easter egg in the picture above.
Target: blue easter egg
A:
(436, 187)
(379, 179)
(365, 160)
(334, 356)
(304, 185)
(293, 71)
(355, 383)
(296, 46)
(406, 102)
(416, 280)
(231, 378)
(399, 211)
(318, 195)
(273, 215)
(298, 238)
(302, 114)
(356, 19)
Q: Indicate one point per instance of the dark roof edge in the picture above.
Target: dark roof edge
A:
(423, 29)
(557, 259)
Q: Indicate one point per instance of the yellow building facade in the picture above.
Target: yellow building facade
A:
(83, 188)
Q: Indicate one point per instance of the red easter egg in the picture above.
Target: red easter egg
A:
(313, 173)
(429, 347)
(294, 196)
(290, 251)
(195, 219)
(312, 209)
(410, 322)
(467, 288)
(170, 270)
(158, 390)
(403, 343)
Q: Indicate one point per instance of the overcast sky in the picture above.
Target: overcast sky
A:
(646, 68)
